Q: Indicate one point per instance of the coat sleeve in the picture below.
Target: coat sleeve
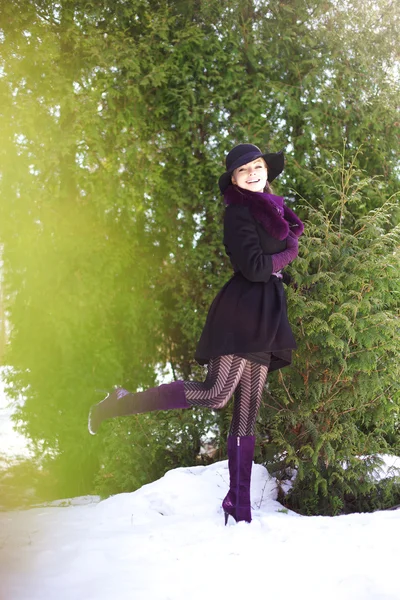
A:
(243, 245)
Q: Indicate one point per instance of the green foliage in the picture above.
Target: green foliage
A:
(24, 482)
(144, 447)
(340, 400)
(344, 489)
(115, 118)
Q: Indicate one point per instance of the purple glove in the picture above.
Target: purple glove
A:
(282, 259)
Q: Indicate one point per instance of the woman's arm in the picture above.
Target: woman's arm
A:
(243, 244)
(282, 259)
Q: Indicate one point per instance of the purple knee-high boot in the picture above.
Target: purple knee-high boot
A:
(240, 460)
(120, 402)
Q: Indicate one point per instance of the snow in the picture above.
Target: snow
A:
(390, 467)
(167, 541)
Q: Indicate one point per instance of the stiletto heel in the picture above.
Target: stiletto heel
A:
(226, 517)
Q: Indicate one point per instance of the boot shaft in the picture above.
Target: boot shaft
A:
(240, 462)
(240, 457)
(120, 403)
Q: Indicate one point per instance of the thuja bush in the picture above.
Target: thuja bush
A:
(329, 416)
(142, 448)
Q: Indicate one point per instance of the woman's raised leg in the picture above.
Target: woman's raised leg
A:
(223, 375)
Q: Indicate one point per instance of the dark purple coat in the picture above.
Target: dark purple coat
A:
(248, 317)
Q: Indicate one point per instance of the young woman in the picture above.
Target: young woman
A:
(247, 332)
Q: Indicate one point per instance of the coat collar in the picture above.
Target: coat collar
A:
(268, 209)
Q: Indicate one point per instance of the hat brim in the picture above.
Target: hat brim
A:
(275, 163)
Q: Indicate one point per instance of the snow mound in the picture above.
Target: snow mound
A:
(189, 492)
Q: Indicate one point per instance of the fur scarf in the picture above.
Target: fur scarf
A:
(268, 209)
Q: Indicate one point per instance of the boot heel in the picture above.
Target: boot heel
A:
(226, 517)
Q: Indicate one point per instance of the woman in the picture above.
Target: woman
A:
(247, 332)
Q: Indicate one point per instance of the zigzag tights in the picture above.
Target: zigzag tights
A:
(228, 375)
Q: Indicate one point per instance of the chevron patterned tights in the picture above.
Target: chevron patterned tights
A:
(228, 375)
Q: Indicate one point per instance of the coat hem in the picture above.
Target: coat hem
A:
(279, 358)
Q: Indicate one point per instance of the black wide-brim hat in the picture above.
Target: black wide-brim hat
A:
(245, 153)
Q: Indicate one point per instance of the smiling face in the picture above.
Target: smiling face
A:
(252, 176)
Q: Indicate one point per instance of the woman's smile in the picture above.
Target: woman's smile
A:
(252, 176)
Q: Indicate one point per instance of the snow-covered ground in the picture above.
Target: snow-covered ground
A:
(167, 541)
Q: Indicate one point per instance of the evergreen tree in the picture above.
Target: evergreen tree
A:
(115, 120)
(338, 406)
